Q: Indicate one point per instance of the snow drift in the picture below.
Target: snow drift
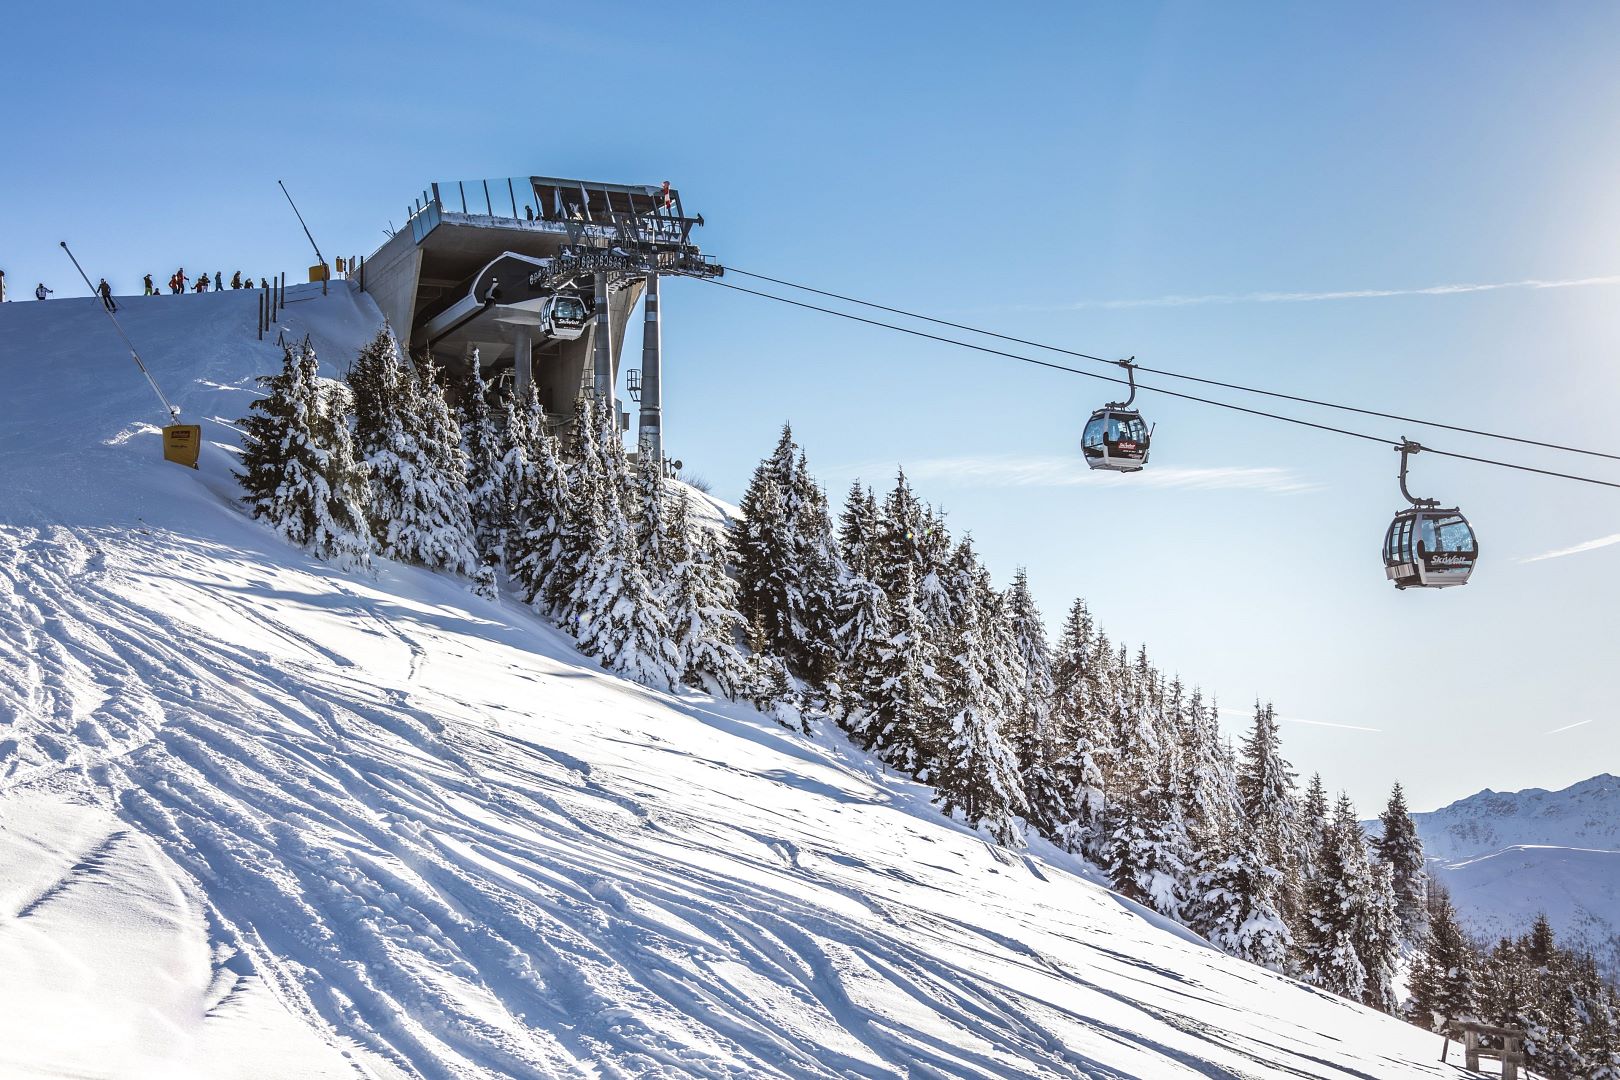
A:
(260, 818)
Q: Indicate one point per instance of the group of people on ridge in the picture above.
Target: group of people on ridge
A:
(177, 282)
(177, 285)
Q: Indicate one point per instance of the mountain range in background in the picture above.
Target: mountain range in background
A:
(1507, 856)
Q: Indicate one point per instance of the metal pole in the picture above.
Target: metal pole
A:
(283, 293)
(651, 436)
(603, 347)
(261, 315)
(174, 413)
(318, 256)
(489, 207)
(513, 193)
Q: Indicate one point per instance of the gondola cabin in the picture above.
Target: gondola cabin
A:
(1116, 439)
(563, 316)
(1429, 548)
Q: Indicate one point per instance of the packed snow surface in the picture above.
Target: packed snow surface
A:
(260, 818)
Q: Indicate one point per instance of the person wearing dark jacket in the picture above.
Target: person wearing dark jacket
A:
(219, 281)
(236, 280)
(106, 295)
(41, 292)
(147, 281)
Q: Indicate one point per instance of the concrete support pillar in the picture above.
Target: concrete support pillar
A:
(522, 360)
(651, 437)
(602, 345)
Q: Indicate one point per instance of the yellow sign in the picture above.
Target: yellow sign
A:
(181, 442)
(319, 273)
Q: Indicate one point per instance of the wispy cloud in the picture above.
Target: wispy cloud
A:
(1341, 294)
(1590, 545)
(1248, 714)
(1566, 727)
(1008, 471)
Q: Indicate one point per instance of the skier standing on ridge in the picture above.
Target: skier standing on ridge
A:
(263, 284)
(236, 280)
(105, 291)
(202, 283)
(41, 292)
(219, 281)
(147, 281)
(177, 284)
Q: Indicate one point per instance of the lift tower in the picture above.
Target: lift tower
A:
(541, 282)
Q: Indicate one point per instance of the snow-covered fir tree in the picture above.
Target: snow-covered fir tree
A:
(768, 684)
(701, 603)
(977, 774)
(1145, 852)
(1209, 784)
(1313, 826)
(1076, 711)
(1036, 733)
(1442, 983)
(1235, 904)
(1399, 848)
(410, 444)
(481, 444)
(1240, 892)
(898, 707)
(299, 470)
(615, 613)
(785, 566)
(1266, 795)
(650, 507)
(544, 504)
(1351, 937)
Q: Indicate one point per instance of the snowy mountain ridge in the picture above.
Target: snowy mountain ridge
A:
(260, 817)
(1586, 814)
(1509, 856)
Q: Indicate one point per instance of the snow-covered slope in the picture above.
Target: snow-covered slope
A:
(1505, 856)
(259, 818)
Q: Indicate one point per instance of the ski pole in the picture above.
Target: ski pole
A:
(174, 413)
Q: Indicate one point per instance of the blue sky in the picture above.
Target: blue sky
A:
(1070, 174)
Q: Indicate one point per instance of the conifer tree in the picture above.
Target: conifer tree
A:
(860, 614)
(1335, 909)
(1400, 849)
(785, 560)
(1037, 735)
(1234, 902)
(897, 692)
(299, 471)
(768, 682)
(544, 506)
(1313, 825)
(1443, 978)
(481, 445)
(1266, 794)
(977, 773)
(405, 433)
(616, 614)
(592, 501)
(1077, 694)
(649, 496)
(701, 601)
(1210, 800)
(858, 532)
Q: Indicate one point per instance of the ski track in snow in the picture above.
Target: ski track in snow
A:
(422, 827)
